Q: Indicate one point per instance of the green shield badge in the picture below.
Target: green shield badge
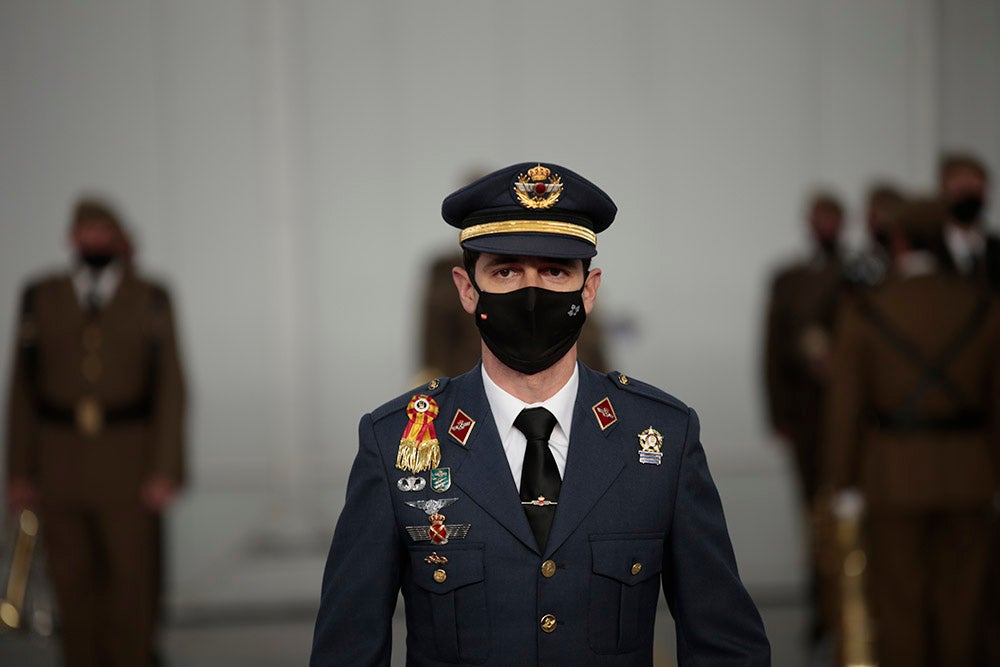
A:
(440, 479)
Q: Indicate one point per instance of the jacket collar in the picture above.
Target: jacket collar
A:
(480, 468)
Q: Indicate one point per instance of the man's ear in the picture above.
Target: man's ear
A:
(590, 289)
(466, 291)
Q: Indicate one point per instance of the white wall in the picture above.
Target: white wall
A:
(284, 165)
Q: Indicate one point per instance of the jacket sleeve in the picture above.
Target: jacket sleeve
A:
(777, 343)
(362, 577)
(716, 621)
(845, 400)
(168, 394)
(22, 418)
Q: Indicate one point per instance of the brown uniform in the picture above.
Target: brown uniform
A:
(915, 390)
(96, 408)
(800, 318)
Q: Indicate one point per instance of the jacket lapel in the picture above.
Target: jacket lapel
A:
(480, 467)
(592, 464)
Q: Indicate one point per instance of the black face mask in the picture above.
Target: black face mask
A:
(530, 329)
(967, 209)
(97, 260)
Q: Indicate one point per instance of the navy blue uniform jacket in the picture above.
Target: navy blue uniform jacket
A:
(613, 513)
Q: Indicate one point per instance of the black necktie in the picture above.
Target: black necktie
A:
(540, 479)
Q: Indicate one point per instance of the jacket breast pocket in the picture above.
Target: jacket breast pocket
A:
(624, 590)
(452, 595)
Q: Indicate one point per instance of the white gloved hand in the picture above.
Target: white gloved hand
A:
(848, 504)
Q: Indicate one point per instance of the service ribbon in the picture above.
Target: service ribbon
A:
(418, 448)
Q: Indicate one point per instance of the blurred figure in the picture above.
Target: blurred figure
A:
(974, 252)
(800, 317)
(95, 436)
(450, 342)
(915, 384)
(871, 266)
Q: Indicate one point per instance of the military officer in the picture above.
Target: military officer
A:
(95, 437)
(532, 509)
(801, 306)
(909, 438)
(974, 250)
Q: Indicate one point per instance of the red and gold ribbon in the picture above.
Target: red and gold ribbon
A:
(418, 448)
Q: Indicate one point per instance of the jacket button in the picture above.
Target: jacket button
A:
(440, 576)
(623, 379)
(636, 568)
(548, 623)
(548, 569)
(433, 384)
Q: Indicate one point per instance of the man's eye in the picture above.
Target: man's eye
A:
(503, 273)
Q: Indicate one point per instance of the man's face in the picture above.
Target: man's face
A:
(962, 183)
(826, 223)
(499, 274)
(95, 237)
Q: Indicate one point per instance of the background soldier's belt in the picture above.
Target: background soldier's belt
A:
(967, 421)
(84, 410)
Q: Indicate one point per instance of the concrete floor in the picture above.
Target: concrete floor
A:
(263, 642)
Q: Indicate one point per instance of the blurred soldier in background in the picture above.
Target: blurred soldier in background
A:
(95, 437)
(965, 189)
(915, 383)
(800, 317)
(870, 267)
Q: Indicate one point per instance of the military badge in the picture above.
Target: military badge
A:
(438, 532)
(411, 484)
(605, 413)
(539, 188)
(650, 442)
(434, 559)
(440, 480)
(418, 448)
(431, 506)
(461, 427)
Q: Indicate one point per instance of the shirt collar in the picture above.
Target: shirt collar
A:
(104, 282)
(506, 407)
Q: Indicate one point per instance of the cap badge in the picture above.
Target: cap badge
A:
(605, 413)
(539, 188)
(440, 480)
(418, 448)
(461, 427)
(650, 442)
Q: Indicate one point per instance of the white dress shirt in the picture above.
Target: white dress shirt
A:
(103, 283)
(506, 408)
(966, 245)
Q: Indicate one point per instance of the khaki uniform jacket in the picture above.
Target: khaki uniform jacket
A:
(800, 315)
(73, 371)
(952, 460)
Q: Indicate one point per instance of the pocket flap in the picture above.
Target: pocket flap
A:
(464, 566)
(627, 558)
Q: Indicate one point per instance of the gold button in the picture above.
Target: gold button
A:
(623, 379)
(548, 569)
(92, 368)
(636, 568)
(548, 623)
(440, 576)
(433, 384)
